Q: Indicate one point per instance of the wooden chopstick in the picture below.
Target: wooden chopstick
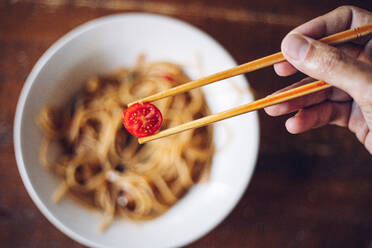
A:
(334, 39)
(259, 104)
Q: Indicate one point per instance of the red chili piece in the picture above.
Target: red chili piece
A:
(168, 77)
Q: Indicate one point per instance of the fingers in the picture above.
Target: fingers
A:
(366, 54)
(332, 94)
(319, 115)
(286, 69)
(330, 64)
(357, 123)
(368, 142)
(298, 103)
(338, 20)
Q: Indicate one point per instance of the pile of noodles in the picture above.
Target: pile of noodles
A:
(104, 167)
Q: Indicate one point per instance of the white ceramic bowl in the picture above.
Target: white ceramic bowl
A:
(101, 46)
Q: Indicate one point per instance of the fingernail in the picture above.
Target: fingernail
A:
(295, 46)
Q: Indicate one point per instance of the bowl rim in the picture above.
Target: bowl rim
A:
(45, 57)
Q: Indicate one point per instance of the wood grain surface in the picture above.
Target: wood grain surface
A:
(308, 190)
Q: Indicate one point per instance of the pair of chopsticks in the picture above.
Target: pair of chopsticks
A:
(334, 39)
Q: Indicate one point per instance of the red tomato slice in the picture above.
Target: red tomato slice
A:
(142, 119)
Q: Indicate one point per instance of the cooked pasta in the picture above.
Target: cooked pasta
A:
(103, 166)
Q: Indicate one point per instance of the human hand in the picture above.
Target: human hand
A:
(347, 67)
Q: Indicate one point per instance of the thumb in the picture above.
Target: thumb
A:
(323, 62)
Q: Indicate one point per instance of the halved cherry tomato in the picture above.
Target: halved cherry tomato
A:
(142, 119)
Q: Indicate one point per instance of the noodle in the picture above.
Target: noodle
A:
(101, 164)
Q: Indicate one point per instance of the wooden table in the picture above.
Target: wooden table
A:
(308, 190)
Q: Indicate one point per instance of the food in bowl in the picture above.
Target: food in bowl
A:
(103, 167)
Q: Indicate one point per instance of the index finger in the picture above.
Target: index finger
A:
(340, 19)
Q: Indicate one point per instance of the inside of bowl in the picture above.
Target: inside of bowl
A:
(103, 46)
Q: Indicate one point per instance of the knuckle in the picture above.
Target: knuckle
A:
(344, 7)
(362, 90)
(365, 102)
(328, 61)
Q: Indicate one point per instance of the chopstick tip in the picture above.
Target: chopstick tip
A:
(131, 103)
(134, 102)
